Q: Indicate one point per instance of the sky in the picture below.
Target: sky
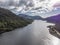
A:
(30, 6)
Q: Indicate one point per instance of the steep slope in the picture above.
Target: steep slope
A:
(10, 21)
(54, 19)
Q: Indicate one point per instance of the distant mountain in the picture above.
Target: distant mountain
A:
(31, 17)
(10, 21)
(54, 19)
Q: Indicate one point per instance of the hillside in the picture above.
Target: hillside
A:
(10, 21)
(54, 19)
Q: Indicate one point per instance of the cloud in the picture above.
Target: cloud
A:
(57, 5)
(24, 6)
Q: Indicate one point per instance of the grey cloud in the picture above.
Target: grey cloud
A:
(7, 3)
(26, 3)
(29, 4)
(37, 8)
(22, 2)
(42, 0)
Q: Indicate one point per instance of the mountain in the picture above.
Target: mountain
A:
(31, 17)
(54, 19)
(10, 21)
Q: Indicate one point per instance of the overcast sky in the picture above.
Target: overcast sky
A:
(40, 6)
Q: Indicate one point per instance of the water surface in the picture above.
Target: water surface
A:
(36, 33)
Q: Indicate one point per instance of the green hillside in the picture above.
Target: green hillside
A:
(10, 21)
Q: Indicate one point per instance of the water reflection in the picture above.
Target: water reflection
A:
(36, 33)
(55, 41)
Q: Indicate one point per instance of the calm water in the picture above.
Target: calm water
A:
(36, 33)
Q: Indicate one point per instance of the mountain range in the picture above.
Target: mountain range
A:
(31, 17)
